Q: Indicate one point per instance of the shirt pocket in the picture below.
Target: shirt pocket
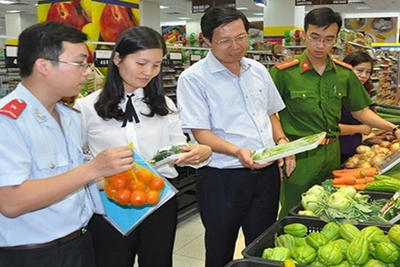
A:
(335, 99)
(50, 165)
(303, 101)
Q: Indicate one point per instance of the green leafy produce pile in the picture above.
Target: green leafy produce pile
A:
(276, 150)
(337, 246)
(343, 205)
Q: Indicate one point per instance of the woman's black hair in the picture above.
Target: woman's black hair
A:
(132, 40)
(220, 15)
(357, 57)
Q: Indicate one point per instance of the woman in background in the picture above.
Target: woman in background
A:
(133, 97)
(351, 130)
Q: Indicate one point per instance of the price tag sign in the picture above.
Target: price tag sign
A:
(11, 56)
(256, 57)
(102, 58)
(320, 2)
(195, 57)
(175, 56)
(175, 63)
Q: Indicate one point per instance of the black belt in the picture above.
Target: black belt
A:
(252, 170)
(57, 241)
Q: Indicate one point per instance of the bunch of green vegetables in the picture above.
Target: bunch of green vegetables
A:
(337, 246)
(342, 205)
(164, 153)
(285, 148)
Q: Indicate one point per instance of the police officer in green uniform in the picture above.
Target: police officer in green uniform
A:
(314, 87)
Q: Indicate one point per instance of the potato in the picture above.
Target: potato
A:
(375, 147)
(369, 154)
(385, 144)
(361, 149)
(377, 159)
(395, 146)
(365, 164)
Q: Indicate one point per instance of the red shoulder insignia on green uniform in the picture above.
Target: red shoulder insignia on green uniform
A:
(287, 64)
(343, 64)
(13, 108)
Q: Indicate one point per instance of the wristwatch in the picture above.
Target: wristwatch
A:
(395, 129)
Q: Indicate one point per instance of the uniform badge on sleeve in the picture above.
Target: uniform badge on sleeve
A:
(13, 108)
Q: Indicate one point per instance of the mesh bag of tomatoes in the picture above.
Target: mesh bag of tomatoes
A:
(136, 187)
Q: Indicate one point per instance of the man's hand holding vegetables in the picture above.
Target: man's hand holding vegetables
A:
(194, 156)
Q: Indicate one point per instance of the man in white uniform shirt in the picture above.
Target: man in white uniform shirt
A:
(44, 210)
(229, 103)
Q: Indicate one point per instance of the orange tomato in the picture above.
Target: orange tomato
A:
(138, 198)
(157, 183)
(118, 180)
(110, 190)
(136, 185)
(153, 197)
(144, 175)
(123, 196)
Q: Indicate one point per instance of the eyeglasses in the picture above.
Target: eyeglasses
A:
(325, 41)
(83, 65)
(228, 41)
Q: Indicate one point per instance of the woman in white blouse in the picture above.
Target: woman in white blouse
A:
(108, 119)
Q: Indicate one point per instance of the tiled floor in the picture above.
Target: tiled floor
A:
(189, 243)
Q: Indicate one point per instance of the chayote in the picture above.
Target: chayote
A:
(304, 254)
(386, 252)
(371, 232)
(300, 241)
(330, 254)
(343, 245)
(295, 229)
(316, 240)
(286, 241)
(331, 231)
(358, 250)
(394, 234)
(276, 253)
(374, 263)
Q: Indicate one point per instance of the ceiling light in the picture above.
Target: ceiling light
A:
(15, 11)
(242, 8)
(362, 7)
(258, 14)
(260, 3)
(183, 18)
(7, 2)
(164, 7)
(355, 1)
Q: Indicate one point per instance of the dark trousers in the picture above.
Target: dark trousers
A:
(152, 240)
(232, 198)
(75, 253)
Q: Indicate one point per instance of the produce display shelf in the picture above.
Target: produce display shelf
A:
(267, 239)
(373, 196)
(251, 263)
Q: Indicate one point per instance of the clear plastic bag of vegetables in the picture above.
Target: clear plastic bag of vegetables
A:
(167, 155)
(137, 187)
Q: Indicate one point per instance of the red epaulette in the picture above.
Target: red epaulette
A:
(287, 64)
(343, 64)
(13, 108)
